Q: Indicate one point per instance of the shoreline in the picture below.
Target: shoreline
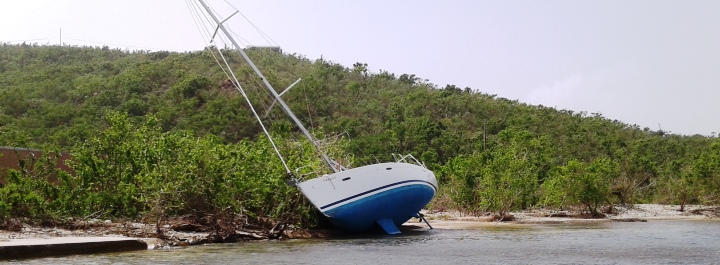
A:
(627, 213)
(439, 220)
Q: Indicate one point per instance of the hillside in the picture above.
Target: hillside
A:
(489, 153)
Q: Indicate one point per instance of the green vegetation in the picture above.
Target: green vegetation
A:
(136, 171)
(580, 183)
(157, 134)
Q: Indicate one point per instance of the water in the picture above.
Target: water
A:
(654, 242)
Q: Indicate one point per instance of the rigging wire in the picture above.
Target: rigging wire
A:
(258, 90)
(307, 106)
(256, 87)
(198, 19)
(262, 34)
(222, 38)
(239, 88)
(235, 81)
(224, 41)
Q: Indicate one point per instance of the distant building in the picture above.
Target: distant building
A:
(10, 158)
(272, 48)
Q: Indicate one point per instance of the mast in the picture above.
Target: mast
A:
(274, 93)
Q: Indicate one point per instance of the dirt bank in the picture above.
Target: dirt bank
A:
(172, 233)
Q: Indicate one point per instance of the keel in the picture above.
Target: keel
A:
(388, 225)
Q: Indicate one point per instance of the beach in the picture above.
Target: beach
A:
(176, 233)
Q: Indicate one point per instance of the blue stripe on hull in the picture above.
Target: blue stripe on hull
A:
(398, 204)
(374, 190)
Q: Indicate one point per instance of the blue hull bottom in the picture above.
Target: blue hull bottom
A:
(398, 204)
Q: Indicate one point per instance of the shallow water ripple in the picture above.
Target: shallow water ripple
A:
(654, 242)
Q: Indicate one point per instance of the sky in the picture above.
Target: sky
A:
(653, 63)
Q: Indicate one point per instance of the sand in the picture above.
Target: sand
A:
(626, 213)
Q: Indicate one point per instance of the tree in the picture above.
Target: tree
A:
(707, 171)
(501, 179)
(579, 183)
(683, 185)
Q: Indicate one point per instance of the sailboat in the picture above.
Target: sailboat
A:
(360, 199)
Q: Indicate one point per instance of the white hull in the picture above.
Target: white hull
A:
(358, 198)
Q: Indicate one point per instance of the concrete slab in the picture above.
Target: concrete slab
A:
(41, 247)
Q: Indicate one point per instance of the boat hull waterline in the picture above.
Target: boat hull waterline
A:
(382, 195)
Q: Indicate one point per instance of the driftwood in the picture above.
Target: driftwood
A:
(251, 235)
(707, 211)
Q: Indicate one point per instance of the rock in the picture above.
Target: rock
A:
(215, 238)
(308, 234)
(297, 234)
(230, 239)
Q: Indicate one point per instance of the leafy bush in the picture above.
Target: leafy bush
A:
(136, 171)
(580, 183)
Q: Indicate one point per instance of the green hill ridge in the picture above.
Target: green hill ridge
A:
(489, 153)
